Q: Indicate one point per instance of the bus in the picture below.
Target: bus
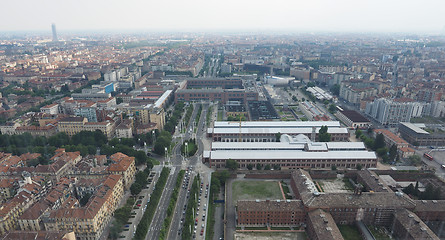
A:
(427, 156)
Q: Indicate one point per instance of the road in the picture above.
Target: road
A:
(195, 165)
(176, 162)
(161, 213)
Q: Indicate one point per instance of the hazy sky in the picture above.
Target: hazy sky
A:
(203, 15)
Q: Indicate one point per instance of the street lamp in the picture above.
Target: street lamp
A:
(166, 154)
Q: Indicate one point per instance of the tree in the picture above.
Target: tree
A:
(382, 151)
(415, 160)
(359, 167)
(267, 167)
(332, 108)
(277, 137)
(393, 153)
(335, 89)
(379, 141)
(119, 100)
(323, 135)
(310, 84)
(358, 133)
(135, 188)
(333, 168)
(249, 166)
(84, 200)
(231, 164)
(258, 166)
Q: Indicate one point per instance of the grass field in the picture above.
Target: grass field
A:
(252, 190)
(349, 232)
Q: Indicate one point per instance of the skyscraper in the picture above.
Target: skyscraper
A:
(53, 26)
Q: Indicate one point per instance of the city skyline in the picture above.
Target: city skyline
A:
(198, 15)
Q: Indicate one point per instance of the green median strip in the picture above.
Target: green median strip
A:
(171, 206)
(144, 224)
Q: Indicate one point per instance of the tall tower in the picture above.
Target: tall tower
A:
(53, 26)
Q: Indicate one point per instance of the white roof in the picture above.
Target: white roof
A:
(291, 155)
(266, 130)
(283, 145)
(346, 145)
(277, 124)
(162, 98)
(414, 128)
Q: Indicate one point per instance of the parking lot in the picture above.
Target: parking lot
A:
(140, 205)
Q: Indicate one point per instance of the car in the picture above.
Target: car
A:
(202, 231)
(196, 227)
(138, 205)
(127, 226)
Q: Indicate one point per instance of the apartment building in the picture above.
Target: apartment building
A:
(71, 125)
(393, 111)
(50, 109)
(74, 125)
(123, 165)
(89, 222)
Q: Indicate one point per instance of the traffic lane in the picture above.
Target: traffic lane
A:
(160, 213)
(179, 215)
(203, 205)
(164, 206)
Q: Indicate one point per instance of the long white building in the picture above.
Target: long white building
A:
(268, 131)
(301, 153)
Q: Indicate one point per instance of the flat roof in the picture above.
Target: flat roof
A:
(283, 145)
(290, 154)
(200, 90)
(414, 128)
(274, 130)
(383, 200)
(162, 98)
(277, 124)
